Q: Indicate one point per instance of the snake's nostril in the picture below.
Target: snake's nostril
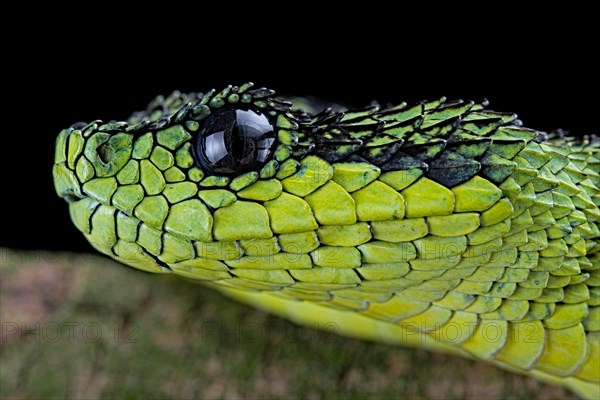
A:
(71, 197)
(104, 153)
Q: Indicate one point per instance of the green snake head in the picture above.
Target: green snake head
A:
(410, 219)
(189, 172)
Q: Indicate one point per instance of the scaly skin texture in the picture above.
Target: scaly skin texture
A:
(443, 225)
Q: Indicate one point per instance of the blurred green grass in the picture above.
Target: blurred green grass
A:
(83, 326)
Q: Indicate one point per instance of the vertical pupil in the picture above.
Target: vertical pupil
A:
(242, 148)
(235, 141)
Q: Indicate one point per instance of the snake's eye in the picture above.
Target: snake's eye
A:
(235, 141)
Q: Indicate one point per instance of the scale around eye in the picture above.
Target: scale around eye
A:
(234, 141)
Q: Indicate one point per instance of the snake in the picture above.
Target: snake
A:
(439, 224)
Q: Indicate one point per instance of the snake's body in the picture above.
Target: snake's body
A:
(442, 225)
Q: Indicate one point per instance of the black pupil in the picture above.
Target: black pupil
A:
(235, 141)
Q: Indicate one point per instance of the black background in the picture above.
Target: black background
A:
(547, 85)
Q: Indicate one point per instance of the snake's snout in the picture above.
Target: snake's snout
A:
(81, 156)
(66, 183)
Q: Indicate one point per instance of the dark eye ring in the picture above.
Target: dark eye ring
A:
(234, 141)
